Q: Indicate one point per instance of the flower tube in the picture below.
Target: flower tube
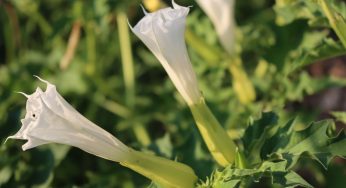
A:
(163, 33)
(221, 13)
(50, 119)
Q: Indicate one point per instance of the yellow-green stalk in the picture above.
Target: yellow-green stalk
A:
(336, 21)
(219, 144)
(167, 173)
(240, 161)
(242, 85)
(129, 75)
(208, 53)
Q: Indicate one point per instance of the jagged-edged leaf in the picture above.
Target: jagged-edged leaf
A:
(324, 49)
(275, 171)
(290, 180)
(287, 11)
(305, 84)
(315, 140)
(256, 134)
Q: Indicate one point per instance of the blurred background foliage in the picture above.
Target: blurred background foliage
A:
(79, 46)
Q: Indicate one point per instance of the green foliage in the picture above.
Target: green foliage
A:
(276, 43)
(340, 116)
(274, 149)
(275, 171)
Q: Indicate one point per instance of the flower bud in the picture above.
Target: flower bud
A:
(221, 13)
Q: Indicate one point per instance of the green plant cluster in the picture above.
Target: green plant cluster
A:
(277, 40)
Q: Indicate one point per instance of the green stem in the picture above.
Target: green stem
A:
(219, 144)
(129, 75)
(43, 23)
(240, 160)
(166, 173)
(207, 52)
(336, 21)
(126, 58)
(112, 106)
(141, 134)
(241, 83)
(91, 50)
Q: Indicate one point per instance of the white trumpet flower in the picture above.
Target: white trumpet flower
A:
(49, 118)
(163, 33)
(221, 13)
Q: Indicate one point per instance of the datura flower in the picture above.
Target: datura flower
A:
(163, 33)
(50, 119)
(221, 13)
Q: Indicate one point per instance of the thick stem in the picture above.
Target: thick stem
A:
(219, 144)
(167, 173)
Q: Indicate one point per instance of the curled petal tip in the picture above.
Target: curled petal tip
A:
(176, 6)
(6, 140)
(144, 11)
(10, 137)
(42, 80)
(128, 23)
(26, 95)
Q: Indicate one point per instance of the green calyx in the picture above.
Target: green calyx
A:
(215, 137)
(165, 172)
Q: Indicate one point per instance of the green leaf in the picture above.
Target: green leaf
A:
(289, 10)
(316, 12)
(163, 146)
(290, 180)
(320, 49)
(273, 150)
(297, 89)
(336, 20)
(314, 140)
(340, 116)
(256, 134)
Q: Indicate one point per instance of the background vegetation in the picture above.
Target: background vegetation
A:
(290, 53)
